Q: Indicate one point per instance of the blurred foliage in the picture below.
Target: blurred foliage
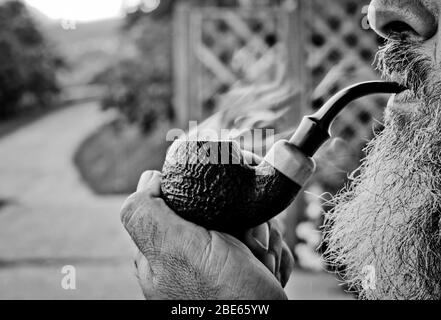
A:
(139, 86)
(112, 159)
(28, 64)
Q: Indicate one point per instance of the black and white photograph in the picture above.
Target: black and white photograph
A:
(239, 151)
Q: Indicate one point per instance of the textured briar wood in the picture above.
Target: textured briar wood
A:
(210, 184)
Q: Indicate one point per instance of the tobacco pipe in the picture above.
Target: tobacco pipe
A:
(209, 182)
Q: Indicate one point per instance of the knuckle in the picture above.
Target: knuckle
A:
(159, 202)
(133, 203)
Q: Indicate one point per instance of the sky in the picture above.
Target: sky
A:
(80, 10)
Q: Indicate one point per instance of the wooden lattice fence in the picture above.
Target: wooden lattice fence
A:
(218, 49)
(341, 51)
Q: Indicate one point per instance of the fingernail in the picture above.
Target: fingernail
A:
(148, 175)
(261, 234)
(145, 179)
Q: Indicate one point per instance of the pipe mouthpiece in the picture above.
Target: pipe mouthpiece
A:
(314, 130)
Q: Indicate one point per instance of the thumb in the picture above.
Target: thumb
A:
(150, 182)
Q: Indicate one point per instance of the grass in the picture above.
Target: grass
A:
(112, 160)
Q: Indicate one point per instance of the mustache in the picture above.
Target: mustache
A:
(402, 60)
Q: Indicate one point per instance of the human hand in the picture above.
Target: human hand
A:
(180, 260)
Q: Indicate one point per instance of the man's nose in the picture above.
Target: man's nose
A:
(415, 17)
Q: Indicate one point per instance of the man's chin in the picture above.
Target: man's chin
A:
(389, 218)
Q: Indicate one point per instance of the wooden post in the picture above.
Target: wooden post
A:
(295, 36)
(195, 72)
(181, 56)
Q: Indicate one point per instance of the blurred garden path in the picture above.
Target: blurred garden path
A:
(53, 219)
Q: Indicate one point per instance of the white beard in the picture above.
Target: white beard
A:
(389, 217)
